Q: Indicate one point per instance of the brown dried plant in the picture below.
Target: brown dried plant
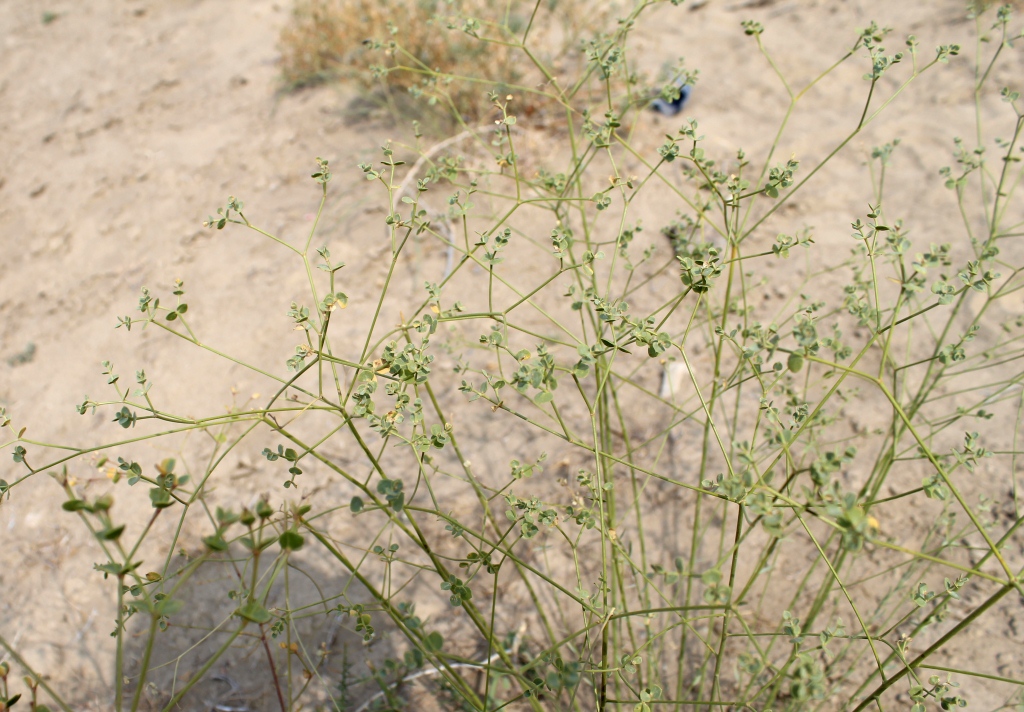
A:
(450, 52)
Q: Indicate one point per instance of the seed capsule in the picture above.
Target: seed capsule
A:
(795, 362)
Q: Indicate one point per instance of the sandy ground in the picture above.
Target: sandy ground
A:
(124, 123)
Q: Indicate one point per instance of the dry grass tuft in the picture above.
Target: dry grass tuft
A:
(448, 52)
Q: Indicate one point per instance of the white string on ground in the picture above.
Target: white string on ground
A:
(437, 671)
(235, 705)
(430, 153)
(403, 188)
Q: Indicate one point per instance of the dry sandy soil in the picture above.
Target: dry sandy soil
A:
(124, 123)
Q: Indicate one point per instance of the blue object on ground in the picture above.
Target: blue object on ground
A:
(671, 108)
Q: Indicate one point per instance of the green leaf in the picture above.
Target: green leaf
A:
(357, 504)
(215, 542)
(112, 533)
(254, 613)
(114, 569)
(434, 642)
(226, 516)
(125, 418)
(169, 606)
(160, 497)
(291, 540)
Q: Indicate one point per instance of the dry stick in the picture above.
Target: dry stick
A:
(273, 669)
